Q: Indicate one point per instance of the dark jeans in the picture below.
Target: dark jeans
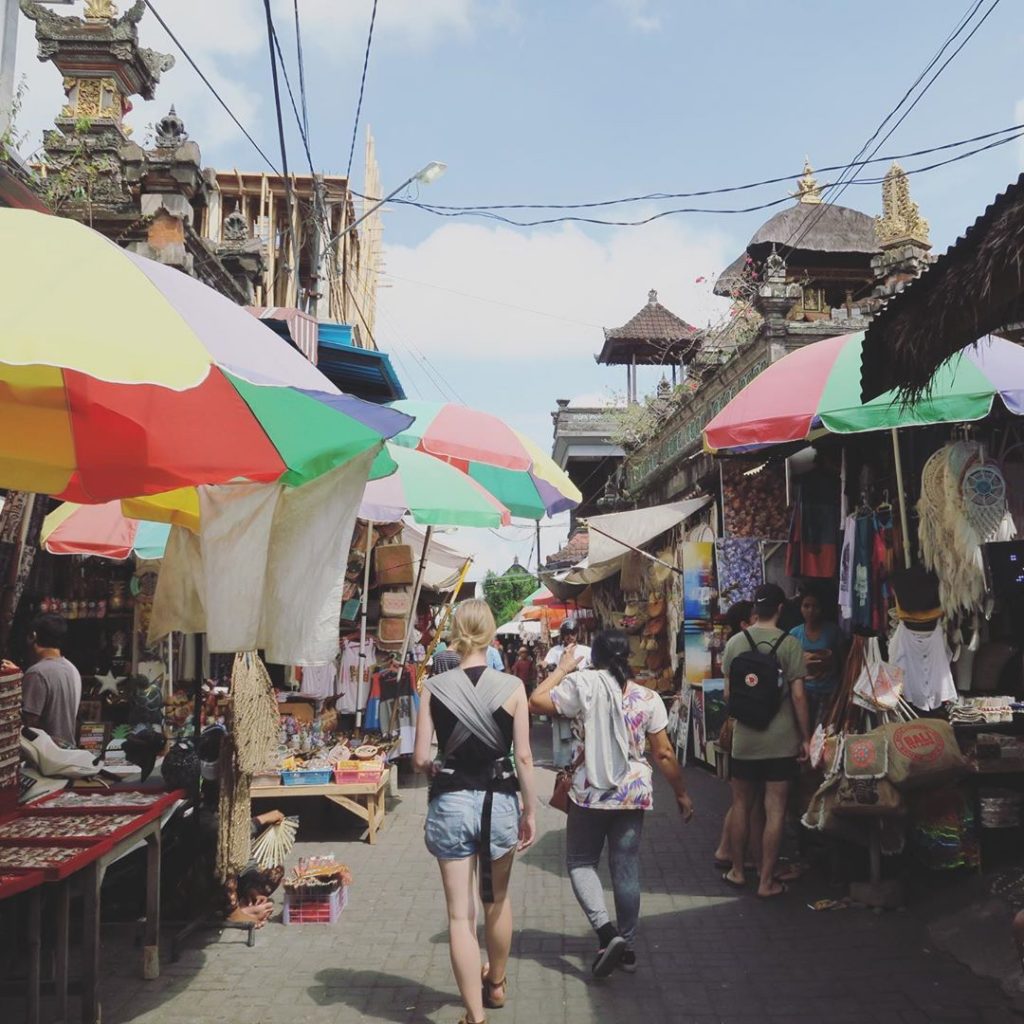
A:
(586, 833)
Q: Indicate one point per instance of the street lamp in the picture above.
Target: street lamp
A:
(425, 175)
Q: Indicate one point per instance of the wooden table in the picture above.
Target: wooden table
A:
(364, 799)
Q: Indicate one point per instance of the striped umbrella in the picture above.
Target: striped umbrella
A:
(141, 379)
(507, 463)
(817, 388)
(101, 530)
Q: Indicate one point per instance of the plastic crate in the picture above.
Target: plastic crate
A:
(307, 778)
(321, 908)
(346, 772)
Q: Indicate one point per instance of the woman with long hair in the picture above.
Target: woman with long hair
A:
(613, 719)
(474, 823)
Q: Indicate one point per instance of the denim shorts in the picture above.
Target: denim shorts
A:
(453, 824)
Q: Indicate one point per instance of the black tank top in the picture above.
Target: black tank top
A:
(473, 762)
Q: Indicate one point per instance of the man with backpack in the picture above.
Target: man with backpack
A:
(764, 684)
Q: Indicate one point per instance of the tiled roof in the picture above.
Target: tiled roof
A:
(654, 335)
(574, 550)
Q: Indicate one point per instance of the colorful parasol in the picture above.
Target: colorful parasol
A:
(101, 530)
(818, 388)
(505, 462)
(433, 493)
(141, 379)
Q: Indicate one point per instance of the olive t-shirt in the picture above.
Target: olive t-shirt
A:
(782, 737)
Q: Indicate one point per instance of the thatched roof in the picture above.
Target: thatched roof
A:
(804, 228)
(809, 227)
(655, 336)
(974, 288)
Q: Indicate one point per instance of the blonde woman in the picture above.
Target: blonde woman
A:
(474, 822)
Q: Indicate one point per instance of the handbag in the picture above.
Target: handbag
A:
(867, 798)
(563, 784)
(393, 565)
(655, 626)
(392, 631)
(656, 606)
(923, 752)
(396, 602)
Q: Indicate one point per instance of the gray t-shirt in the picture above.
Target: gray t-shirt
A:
(52, 689)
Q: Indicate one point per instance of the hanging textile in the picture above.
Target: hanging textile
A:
(254, 716)
(353, 693)
(883, 565)
(398, 706)
(924, 658)
(846, 569)
(267, 568)
(740, 569)
(319, 681)
(863, 552)
(234, 819)
(813, 550)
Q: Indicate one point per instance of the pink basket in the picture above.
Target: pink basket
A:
(307, 908)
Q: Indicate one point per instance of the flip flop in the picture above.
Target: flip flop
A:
(722, 865)
(733, 882)
(791, 872)
(774, 895)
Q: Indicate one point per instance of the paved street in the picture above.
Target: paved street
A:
(706, 955)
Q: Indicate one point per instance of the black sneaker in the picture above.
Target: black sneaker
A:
(628, 962)
(608, 958)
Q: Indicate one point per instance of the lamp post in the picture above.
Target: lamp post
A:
(425, 176)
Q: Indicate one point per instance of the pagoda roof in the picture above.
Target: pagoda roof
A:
(655, 336)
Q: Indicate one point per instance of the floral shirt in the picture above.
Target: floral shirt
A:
(645, 713)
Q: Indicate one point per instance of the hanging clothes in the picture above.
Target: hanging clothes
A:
(319, 680)
(863, 551)
(353, 693)
(813, 538)
(846, 569)
(397, 706)
(883, 565)
(924, 657)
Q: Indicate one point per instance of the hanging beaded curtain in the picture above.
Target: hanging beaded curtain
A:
(251, 742)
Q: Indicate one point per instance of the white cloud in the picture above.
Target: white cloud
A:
(476, 292)
(597, 400)
(639, 15)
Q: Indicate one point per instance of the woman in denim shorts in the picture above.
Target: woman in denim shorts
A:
(474, 823)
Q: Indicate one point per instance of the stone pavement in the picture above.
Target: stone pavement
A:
(706, 954)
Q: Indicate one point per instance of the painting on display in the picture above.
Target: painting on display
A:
(740, 569)
(697, 653)
(698, 580)
(715, 714)
(680, 718)
(697, 717)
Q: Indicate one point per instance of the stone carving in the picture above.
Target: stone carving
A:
(170, 131)
(100, 10)
(807, 189)
(901, 221)
(93, 97)
(235, 228)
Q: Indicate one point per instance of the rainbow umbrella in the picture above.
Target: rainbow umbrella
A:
(138, 379)
(817, 388)
(101, 530)
(505, 462)
(432, 492)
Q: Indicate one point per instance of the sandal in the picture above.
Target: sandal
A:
(492, 1000)
(464, 1019)
(732, 882)
(781, 891)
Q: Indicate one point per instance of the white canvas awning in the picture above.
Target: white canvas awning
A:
(521, 628)
(630, 530)
(444, 564)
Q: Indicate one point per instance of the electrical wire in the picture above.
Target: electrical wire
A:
(302, 71)
(362, 87)
(209, 85)
(841, 186)
(303, 130)
(748, 186)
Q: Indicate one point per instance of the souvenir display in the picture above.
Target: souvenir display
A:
(754, 506)
(37, 856)
(77, 826)
(116, 799)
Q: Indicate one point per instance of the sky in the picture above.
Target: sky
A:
(533, 101)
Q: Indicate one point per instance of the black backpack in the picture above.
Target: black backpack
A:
(755, 684)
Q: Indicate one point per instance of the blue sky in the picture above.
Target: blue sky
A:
(569, 101)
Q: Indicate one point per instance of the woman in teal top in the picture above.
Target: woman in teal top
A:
(821, 642)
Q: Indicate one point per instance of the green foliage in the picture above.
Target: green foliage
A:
(505, 594)
(11, 138)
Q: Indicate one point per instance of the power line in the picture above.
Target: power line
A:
(302, 71)
(209, 85)
(958, 29)
(657, 196)
(362, 87)
(303, 129)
